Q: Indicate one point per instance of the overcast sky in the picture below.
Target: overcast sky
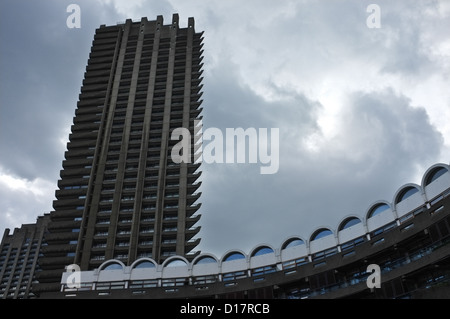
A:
(361, 111)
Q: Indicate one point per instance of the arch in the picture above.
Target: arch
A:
(433, 173)
(349, 222)
(205, 259)
(233, 255)
(144, 263)
(377, 208)
(112, 264)
(262, 250)
(175, 261)
(320, 233)
(406, 191)
(292, 242)
(350, 228)
(205, 264)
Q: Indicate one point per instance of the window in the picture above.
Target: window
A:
(147, 230)
(378, 209)
(262, 251)
(176, 263)
(293, 242)
(113, 266)
(123, 244)
(407, 192)
(234, 256)
(205, 260)
(234, 276)
(263, 270)
(295, 263)
(323, 232)
(145, 264)
(144, 284)
(435, 174)
(349, 222)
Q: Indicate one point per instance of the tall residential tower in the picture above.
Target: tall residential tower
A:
(120, 194)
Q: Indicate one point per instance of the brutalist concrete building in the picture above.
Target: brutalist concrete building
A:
(120, 195)
(19, 253)
(124, 221)
(406, 237)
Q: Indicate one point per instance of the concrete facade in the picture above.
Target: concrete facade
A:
(412, 249)
(19, 253)
(121, 195)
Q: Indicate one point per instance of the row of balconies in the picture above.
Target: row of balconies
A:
(148, 206)
(96, 87)
(179, 61)
(106, 35)
(106, 32)
(84, 128)
(103, 53)
(58, 249)
(89, 134)
(143, 244)
(66, 214)
(92, 94)
(93, 74)
(75, 172)
(64, 223)
(94, 80)
(99, 59)
(151, 170)
(102, 50)
(105, 39)
(109, 53)
(108, 47)
(95, 115)
(96, 110)
(171, 193)
(128, 195)
(74, 183)
(61, 236)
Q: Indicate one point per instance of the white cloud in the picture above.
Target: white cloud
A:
(23, 200)
(136, 9)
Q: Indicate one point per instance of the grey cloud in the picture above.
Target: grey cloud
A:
(41, 73)
(384, 142)
(393, 137)
(384, 127)
(238, 202)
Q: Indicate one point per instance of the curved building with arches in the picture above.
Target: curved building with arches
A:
(408, 238)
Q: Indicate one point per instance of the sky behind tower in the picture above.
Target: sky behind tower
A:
(361, 110)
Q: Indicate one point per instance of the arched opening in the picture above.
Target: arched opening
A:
(262, 251)
(205, 260)
(176, 263)
(234, 256)
(378, 209)
(292, 243)
(349, 222)
(321, 233)
(144, 264)
(407, 192)
(435, 174)
(113, 266)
